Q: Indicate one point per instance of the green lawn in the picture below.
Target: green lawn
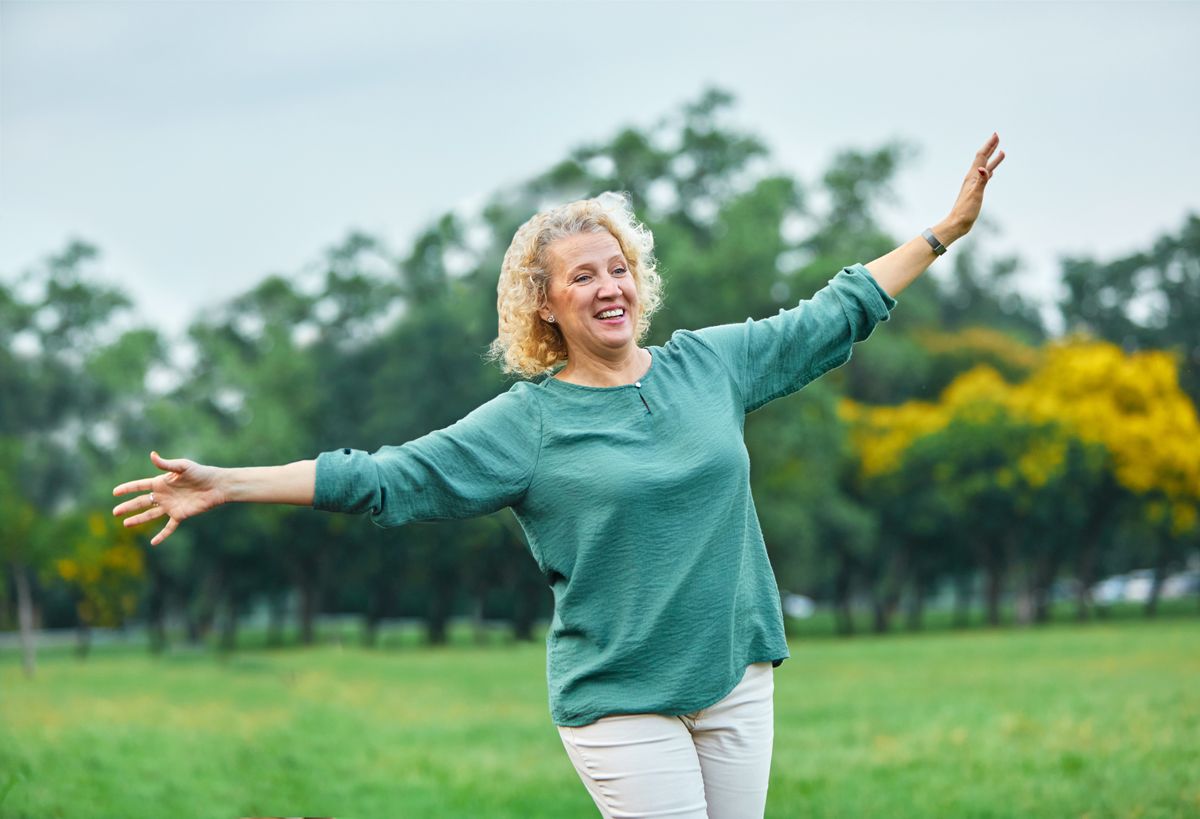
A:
(1068, 721)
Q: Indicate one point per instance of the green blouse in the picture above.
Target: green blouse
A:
(635, 502)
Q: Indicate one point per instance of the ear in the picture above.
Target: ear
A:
(545, 310)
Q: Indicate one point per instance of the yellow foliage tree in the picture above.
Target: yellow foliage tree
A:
(1132, 405)
(106, 568)
(955, 352)
(1086, 406)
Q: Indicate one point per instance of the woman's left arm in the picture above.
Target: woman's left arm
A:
(897, 269)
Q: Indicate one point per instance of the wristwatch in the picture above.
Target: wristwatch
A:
(937, 246)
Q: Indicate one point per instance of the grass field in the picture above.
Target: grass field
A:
(1097, 720)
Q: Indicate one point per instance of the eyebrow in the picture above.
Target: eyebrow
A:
(617, 257)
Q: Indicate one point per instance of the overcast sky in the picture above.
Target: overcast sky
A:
(204, 145)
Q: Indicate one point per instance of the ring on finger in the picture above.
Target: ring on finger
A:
(153, 502)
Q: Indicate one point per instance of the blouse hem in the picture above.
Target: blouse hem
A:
(708, 702)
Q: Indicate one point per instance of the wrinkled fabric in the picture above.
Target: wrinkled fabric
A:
(635, 502)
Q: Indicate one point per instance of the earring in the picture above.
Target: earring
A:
(551, 319)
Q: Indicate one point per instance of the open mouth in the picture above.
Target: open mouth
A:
(615, 315)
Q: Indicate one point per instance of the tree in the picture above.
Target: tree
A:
(106, 568)
(1144, 301)
(1033, 474)
(70, 385)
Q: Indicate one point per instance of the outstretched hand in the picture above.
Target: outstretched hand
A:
(970, 197)
(186, 490)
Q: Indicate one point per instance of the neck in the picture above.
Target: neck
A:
(598, 371)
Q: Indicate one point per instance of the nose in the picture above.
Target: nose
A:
(609, 287)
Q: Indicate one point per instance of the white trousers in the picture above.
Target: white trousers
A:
(711, 764)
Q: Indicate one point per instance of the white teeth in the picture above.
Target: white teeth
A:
(612, 313)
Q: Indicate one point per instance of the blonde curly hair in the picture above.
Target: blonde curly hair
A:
(526, 344)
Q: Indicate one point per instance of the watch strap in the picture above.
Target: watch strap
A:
(937, 246)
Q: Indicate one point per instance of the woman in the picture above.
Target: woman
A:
(628, 472)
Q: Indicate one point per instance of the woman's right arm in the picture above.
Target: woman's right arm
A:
(478, 465)
(187, 489)
(292, 483)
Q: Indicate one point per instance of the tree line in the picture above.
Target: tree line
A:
(964, 445)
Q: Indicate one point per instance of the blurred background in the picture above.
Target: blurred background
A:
(246, 233)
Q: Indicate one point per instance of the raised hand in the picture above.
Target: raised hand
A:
(970, 197)
(186, 490)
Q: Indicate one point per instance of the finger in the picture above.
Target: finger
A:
(144, 485)
(989, 145)
(173, 465)
(150, 514)
(136, 505)
(984, 173)
(165, 533)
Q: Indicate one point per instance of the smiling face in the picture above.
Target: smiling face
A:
(592, 295)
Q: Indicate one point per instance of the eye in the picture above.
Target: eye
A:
(619, 271)
(581, 277)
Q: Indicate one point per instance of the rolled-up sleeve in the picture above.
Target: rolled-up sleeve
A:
(776, 356)
(475, 466)
(347, 481)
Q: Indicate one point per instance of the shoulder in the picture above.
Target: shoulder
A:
(510, 420)
(516, 409)
(720, 342)
(694, 341)
(717, 348)
(521, 400)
